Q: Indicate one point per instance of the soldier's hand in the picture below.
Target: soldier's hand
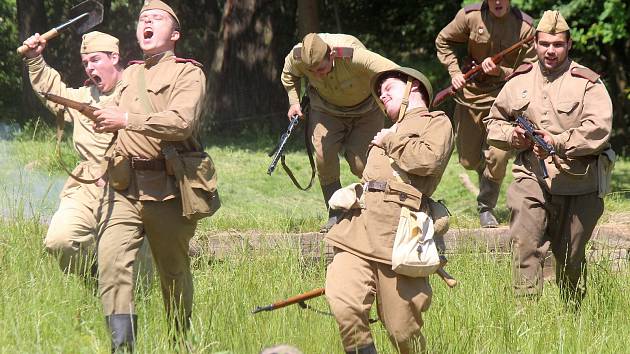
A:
(539, 151)
(110, 119)
(490, 68)
(458, 81)
(35, 45)
(378, 138)
(293, 110)
(519, 140)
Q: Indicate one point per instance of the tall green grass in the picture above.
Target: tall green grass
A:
(44, 311)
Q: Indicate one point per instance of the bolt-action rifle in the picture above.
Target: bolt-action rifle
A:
(278, 151)
(311, 294)
(530, 132)
(476, 70)
(84, 108)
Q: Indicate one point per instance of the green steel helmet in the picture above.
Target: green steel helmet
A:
(404, 74)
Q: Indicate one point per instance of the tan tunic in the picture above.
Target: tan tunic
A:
(575, 110)
(176, 92)
(90, 145)
(484, 35)
(421, 146)
(346, 86)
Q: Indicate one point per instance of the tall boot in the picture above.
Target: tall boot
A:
(487, 200)
(333, 215)
(368, 349)
(123, 328)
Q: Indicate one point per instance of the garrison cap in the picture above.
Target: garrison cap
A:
(314, 50)
(96, 41)
(404, 74)
(552, 22)
(159, 5)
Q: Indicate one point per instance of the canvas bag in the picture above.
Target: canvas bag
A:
(414, 253)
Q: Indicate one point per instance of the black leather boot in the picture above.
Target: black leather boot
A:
(486, 201)
(368, 349)
(123, 328)
(333, 215)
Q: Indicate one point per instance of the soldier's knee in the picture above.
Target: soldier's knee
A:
(470, 161)
(59, 242)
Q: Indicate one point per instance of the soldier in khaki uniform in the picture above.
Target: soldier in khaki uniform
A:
(420, 143)
(72, 231)
(159, 109)
(486, 28)
(343, 116)
(570, 106)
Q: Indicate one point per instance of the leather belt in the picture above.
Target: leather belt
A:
(138, 163)
(376, 186)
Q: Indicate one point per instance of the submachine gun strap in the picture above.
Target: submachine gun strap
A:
(309, 151)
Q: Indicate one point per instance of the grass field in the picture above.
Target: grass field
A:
(43, 311)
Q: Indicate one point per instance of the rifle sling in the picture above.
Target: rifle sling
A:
(60, 125)
(309, 152)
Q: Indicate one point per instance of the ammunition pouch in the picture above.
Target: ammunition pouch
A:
(196, 178)
(403, 194)
(120, 173)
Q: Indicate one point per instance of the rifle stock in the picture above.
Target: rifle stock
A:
(476, 70)
(83, 108)
(292, 300)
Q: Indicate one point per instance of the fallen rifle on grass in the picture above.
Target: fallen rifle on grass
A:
(311, 294)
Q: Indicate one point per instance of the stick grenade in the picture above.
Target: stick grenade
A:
(86, 15)
(448, 279)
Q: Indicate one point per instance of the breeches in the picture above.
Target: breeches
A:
(541, 220)
(472, 147)
(122, 227)
(352, 285)
(330, 134)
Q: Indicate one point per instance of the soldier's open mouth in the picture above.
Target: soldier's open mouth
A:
(148, 33)
(97, 79)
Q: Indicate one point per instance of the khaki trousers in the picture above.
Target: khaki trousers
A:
(474, 152)
(71, 234)
(540, 220)
(352, 285)
(122, 227)
(330, 134)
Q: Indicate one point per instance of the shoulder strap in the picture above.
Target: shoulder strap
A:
(585, 73)
(523, 16)
(343, 52)
(522, 69)
(192, 61)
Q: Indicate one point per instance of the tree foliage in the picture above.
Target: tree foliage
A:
(247, 48)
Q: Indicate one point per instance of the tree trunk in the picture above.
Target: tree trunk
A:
(31, 19)
(244, 86)
(308, 17)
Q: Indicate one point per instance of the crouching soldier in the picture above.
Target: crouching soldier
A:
(418, 145)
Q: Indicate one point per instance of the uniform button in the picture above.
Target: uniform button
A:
(545, 113)
(403, 197)
(545, 97)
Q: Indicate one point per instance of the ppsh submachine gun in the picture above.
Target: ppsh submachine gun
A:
(277, 153)
(530, 132)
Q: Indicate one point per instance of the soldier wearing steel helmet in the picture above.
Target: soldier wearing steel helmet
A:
(570, 106)
(343, 117)
(419, 143)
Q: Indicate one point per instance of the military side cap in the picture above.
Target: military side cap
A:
(159, 5)
(552, 22)
(403, 73)
(96, 41)
(314, 50)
